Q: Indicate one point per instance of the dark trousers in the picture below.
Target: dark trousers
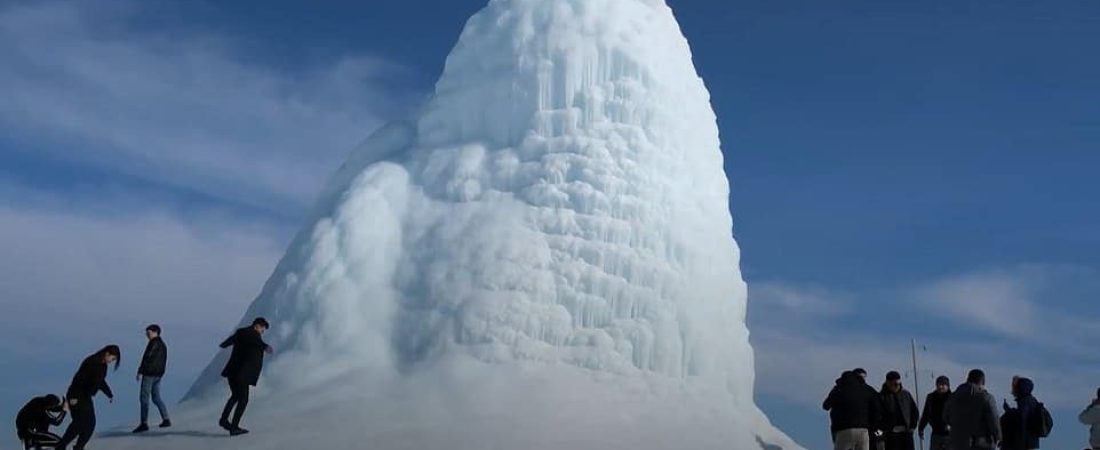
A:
(39, 439)
(899, 441)
(959, 442)
(83, 425)
(238, 398)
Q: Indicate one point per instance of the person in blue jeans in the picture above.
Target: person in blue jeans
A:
(152, 368)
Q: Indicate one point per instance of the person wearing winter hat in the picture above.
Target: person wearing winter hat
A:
(933, 415)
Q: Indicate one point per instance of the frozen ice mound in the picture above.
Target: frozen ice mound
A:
(542, 259)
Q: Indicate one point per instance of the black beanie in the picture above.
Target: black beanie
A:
(893, 375)
(943, 381)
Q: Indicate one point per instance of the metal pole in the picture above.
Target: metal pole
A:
(916, 384)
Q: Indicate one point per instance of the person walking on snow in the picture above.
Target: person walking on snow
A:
(899, 414)
(150, 371)
(242, 371)
(971, 413)
(853, 409)
(933, 415)
(33, 422)
(1091, 417)
(90, 379)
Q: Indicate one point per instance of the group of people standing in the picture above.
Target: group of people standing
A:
(963, 419)
(34, 420)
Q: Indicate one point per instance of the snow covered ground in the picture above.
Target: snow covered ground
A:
(478, 406)
(541, 260)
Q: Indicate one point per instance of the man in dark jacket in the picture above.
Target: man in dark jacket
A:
(33, 422)
(150, 371)
(933, 415)
(1021, 424)
(971, 412)
(899, 414)
(243, 370)
(853, 409)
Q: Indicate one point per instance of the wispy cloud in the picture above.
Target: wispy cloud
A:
(181, 109)
(777, 301)
(1014, 320)
(998, 301)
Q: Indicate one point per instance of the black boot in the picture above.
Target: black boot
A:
(238, 431)
(165, 423)
(224, 423)
(141, 428)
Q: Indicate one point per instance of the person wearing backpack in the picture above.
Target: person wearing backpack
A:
(1029, 421)
(1091, 417)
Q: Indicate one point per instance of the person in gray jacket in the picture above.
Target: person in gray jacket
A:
(1091, 417)
(972, 415)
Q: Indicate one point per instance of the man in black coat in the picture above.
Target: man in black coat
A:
(243, 370)
(853, 409)
(933, 415)
(899, 414)
(153, 365)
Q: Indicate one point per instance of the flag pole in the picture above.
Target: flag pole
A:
(916, 384)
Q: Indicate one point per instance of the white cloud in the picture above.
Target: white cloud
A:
(998, 301)
(180, 109)
(127, 268)
(801, 350)
(780, 300)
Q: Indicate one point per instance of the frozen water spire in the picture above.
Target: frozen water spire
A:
(559, 207)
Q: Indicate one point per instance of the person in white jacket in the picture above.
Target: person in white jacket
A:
(1091, 417)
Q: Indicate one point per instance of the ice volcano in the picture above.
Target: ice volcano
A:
(542, 259)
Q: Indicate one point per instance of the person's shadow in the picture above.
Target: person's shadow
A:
(765, 446)
(151, 433)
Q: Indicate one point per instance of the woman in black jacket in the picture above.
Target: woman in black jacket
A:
(89, 380)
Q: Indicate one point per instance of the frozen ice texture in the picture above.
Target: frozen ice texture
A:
(543, 258)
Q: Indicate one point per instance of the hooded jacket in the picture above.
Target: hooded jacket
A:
(972, 412)
(852, 404)
(1091, 417)
(1019, 424)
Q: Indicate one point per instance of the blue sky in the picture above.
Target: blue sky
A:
(900, 170)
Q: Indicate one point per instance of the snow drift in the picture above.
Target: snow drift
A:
(542, 260)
